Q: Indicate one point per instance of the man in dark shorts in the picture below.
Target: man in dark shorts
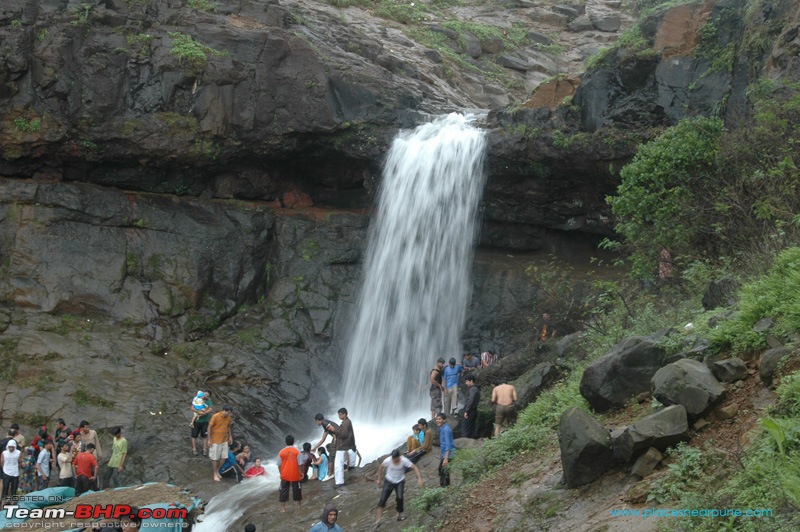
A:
(289, 467)
(437, 388)
(504, 396)
(200, 426)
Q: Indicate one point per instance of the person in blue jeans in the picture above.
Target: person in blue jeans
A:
(447, 448)
(451, 373)
(231, 468)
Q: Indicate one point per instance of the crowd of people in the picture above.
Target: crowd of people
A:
(333, 459)
(72, 457)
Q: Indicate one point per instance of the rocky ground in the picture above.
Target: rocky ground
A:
(525, 494)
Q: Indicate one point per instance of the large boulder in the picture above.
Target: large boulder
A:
(622, 373)
(534, 382)
(729, 370)
(585, 447)
(770, 360)
(689, 383)
(662, 429)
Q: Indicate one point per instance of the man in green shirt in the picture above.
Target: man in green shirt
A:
(119, 453)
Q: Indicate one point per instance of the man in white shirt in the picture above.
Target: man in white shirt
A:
(10, 461)
(396, 466)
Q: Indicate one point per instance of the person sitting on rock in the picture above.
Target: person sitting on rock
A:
(306, 459)
(243, 456)
(414, 441)
(230, 467)
(320, 466)
(426, 439)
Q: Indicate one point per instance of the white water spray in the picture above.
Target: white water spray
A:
(416, 275)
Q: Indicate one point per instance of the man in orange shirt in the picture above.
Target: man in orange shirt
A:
(289, 467)
(219, 437)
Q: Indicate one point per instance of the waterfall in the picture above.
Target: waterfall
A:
(416, 282)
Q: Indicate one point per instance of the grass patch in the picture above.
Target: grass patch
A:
(192, 354)
(191, 51)
(202, 5)
(83, 397)
(9, 359)
(427, 499)
(26, 125)
(69, 324)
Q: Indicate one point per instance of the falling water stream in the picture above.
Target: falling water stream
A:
(414, 295)
(416, 275)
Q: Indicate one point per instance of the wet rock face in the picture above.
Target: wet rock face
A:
(87, 250)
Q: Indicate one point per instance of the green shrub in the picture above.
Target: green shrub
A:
(188, 49)
(686, 468)
(667, 180)
(26, 125)
(788, 392)
(202, 5)
(9, 359)
(428, 499)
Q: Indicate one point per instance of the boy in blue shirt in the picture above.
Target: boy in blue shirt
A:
(447, 448)
(451, 373)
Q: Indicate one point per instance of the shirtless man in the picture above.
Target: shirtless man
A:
(503, 396)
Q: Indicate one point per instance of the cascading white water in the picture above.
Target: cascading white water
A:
(414, 296)
(416, 274)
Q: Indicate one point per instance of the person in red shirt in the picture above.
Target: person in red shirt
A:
(289, 467)
(85, 467)
(256, 470)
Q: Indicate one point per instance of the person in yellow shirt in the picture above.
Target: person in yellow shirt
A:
(219, 438)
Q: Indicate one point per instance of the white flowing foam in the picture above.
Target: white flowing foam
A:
(229, 505)
(416, 275)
